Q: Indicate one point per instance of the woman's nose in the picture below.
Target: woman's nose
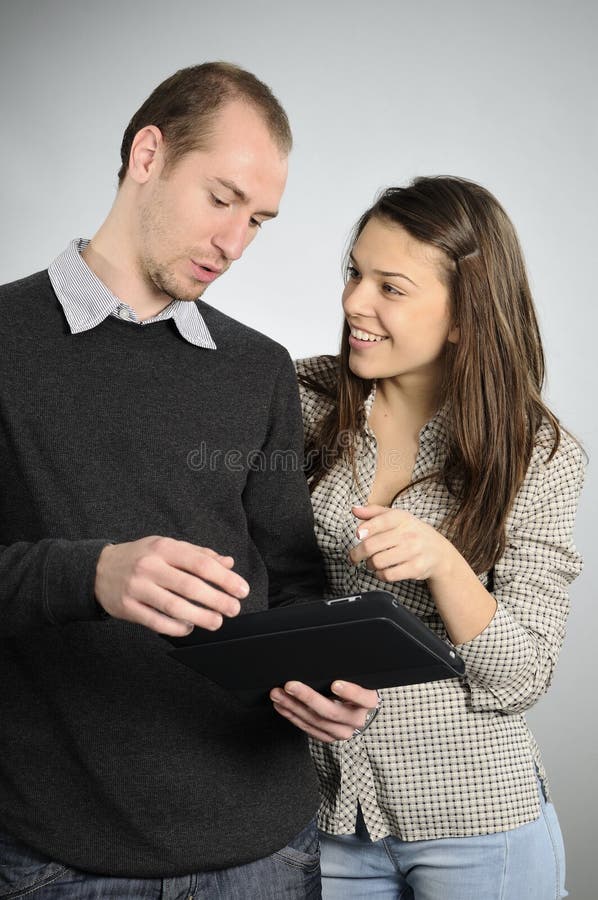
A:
(357, 299)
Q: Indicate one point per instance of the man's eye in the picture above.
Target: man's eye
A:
(217, 201)
(255, 223)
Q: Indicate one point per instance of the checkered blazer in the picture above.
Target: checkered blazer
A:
(454, 757)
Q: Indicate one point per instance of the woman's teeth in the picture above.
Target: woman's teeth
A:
(366, 336)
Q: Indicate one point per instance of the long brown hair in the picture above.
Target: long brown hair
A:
(494, 374)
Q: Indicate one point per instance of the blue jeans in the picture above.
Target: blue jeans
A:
(526, 863)
(293, 873)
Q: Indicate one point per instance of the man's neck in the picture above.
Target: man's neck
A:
(110, 256)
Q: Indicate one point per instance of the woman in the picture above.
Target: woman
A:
(438, 473)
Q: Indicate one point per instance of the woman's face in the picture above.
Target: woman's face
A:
(397, 307)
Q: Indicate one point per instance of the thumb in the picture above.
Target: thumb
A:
(367, 512)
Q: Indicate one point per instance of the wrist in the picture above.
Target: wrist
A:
(101, 567)
(450, 564)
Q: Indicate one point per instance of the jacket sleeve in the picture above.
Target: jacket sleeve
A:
(49, 582)
(511, 663)
(277, 503)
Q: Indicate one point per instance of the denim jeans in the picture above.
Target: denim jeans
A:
(526, 863)
(293, 873)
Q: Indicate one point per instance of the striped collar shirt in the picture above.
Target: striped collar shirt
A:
(86, 301)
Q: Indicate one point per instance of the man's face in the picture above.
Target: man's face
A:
(202, 214)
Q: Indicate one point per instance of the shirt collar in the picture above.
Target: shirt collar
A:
(86, 301)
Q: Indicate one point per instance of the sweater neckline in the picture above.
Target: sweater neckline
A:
(133, 331)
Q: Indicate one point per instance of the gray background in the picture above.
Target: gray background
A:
(377, 92)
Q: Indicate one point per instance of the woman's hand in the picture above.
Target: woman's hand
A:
(322, 718)
(396, 545)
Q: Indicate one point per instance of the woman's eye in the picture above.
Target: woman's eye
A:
(352, 273)
(217, 201)
(255, 223)
(391, 289)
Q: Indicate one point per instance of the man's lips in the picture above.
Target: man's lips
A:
(205, 274)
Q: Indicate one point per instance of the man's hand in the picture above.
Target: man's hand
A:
(320, 717)
(167, 585)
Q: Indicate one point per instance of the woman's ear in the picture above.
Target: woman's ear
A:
(453, 335)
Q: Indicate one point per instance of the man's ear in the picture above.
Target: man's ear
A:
(147, 154)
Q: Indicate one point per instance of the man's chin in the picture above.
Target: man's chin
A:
(184, 293)
(191, 292)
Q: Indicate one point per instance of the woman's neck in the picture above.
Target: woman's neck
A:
(412, 404)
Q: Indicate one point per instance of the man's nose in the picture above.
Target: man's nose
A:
(231, 238)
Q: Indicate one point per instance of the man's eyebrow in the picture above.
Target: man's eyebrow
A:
(231, 186)
(387, 274)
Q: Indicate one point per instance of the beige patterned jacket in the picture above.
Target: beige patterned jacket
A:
(452, 758)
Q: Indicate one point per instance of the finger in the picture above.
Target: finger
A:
(364, 698)
(227, 561)
(150, 618)
(140, 614)
(196, 561)
(311, 730)
(196, 590)
(385, 520)
(408, 571)
(384, 559)
(165, 604)
(368, 512)
(319, 710)
(376, 543)
(336, 730)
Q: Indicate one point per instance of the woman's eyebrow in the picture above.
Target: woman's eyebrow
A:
(386, 274)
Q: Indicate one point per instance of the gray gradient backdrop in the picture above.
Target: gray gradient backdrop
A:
(377, 92)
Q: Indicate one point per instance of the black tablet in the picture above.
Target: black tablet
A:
(370, 639)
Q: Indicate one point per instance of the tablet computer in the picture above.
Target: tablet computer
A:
(369, 638)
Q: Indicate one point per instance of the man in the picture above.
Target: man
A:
(122, 773)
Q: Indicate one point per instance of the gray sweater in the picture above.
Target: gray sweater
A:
(114, 758)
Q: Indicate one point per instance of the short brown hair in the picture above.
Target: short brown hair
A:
(185, 105)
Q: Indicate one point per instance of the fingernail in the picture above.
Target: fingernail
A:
(362, 533)
(338, 686)
(291, 687)
(242, 591)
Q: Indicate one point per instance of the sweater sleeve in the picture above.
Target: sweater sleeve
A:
(50, 582)
(277, 503)
(511, 663)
